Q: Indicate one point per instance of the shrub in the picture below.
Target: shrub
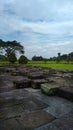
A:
(12, 57)
(23, 59)
(3, 58)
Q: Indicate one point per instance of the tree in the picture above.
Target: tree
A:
(71, 56)
(23, 59)
(64, 57)
(59, 54)
(12, 57)
(11, 46)
(59, 57)
(1, 46)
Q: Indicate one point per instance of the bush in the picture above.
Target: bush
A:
(3, 58)
(23, 59)
(12, 57)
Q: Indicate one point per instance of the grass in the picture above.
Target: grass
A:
(49, 64)
(3, 63)
(52, 64)
(8, 63)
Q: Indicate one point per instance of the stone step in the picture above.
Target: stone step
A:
(49, 88)
(56, 89)
(36, 75)
(66, 92)
(25, 83)
(37, 83)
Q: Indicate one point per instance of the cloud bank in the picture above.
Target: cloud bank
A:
(44, 27)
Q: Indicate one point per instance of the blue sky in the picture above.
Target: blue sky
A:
(44, 27)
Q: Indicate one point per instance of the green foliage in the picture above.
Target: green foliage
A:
(64, 57)
(70, 56)
(11, 46)
(23, 59)
(3, 58)
(12, 57)
(58, 59)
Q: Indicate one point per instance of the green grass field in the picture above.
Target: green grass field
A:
(61, 65)
(49, 64)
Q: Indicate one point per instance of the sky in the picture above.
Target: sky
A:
(43, 27)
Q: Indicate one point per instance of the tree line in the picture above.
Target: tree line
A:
(58, 58)
(10, 49)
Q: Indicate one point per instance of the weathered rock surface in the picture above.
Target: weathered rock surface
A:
(27, 108)
(22, 83)
(66, 92)
(37, 83)
(50, 88)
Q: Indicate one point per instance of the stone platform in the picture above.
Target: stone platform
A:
(22, 107)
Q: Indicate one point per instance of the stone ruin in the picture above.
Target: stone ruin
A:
(50, 81)
(22, 90)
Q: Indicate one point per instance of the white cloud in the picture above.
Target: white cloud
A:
(60, 44)
(46, 25)
(47, 50)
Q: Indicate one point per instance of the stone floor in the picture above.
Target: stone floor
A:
(28, 109)
(25, 108)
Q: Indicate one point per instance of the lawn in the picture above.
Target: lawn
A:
(49, 64)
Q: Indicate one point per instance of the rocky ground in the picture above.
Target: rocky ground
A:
(35, 98)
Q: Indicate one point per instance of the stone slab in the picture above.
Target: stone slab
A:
(37, 83)
(63, 123)
(66, 92)
(14, 94)
(14, 108)
(32, 104)
(59, 110)
(57, 106)
(23, 83)
(10, 124)
(49, 88)
(5, 83)
(38, 75)
(11, 112)
(35, 119)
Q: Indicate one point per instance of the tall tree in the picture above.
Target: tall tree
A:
(59, 54)
(59, 57)
(11, 47)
